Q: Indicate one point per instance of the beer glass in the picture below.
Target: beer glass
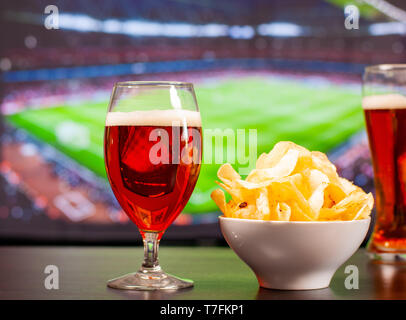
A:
(384, 104)
(152, 151)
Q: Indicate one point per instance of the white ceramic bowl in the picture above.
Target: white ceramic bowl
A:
(294, 255)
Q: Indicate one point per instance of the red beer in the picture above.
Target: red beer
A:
(385, 117)
(152, 162)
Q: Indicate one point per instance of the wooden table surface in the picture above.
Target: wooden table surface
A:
(218, 274)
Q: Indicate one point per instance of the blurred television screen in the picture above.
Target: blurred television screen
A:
(290, 69)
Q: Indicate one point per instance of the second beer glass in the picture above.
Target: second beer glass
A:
(384, 105)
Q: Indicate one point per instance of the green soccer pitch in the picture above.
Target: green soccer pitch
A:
(314, 114)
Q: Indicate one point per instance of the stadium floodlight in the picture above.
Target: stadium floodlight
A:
(79, 22)
(213, 30)
(112, 26)
(181, 30)
(280, 29)
(142, 28)
(145, 28)
(241, 32)
(387, 28)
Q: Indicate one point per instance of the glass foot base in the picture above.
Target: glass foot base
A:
(387, 256)
(149, 280)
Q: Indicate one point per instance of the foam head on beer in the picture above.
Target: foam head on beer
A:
(153, 161)
(154, 118)
(384, 101)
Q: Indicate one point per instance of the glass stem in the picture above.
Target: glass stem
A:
(151, 246)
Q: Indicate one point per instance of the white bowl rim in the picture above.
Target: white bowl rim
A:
(295, 222)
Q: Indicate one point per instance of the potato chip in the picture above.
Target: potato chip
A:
(327, 214)
(333, 194)
(252, 185)
(262, 204)
(360, 214)
(350, 206)
(288, 192)
(248, 211)
(347, 186)
(274, 156)
(316, 200)
(321, 162)
(262, 161)
(316, 178)
(304, 162)
(298, 181)
(290, 183)
(298, 214)
(282, 169)
(226, 173)
(235, 193)
(311, 180)
(220, 199)
(283, 211)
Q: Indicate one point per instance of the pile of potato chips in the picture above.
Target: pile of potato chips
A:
(290, 183)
